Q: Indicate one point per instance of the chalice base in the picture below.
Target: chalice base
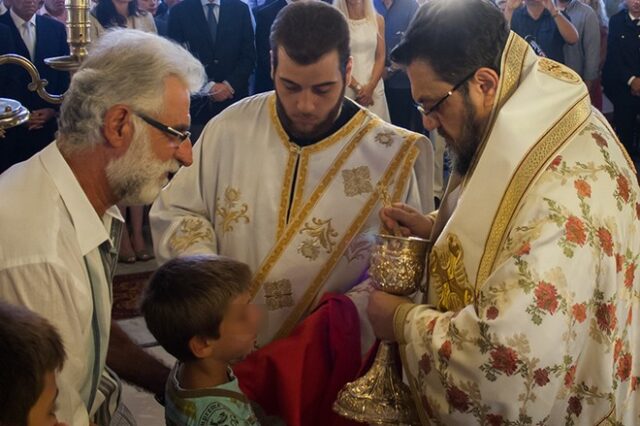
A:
(379, 397)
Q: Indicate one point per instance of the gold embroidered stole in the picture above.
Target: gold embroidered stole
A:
(522, 137)
(321, 227)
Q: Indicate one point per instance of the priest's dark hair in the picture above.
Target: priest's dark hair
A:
(30, 347)
(308, 30)
(188, 296)
(455, 37)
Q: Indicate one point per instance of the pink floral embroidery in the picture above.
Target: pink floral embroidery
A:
(546, 297)
(492, 313)
(575, 231)
(570, 376)
(555, 163)
(629, 275)
(601, 141)
(584, 189)
(605, 241)
(541, 376)
(504, 359)
(623, 187)
(579, 311)
(575, 406)
(445, 350)
(624, 367)
(606, 317)
(458, 399)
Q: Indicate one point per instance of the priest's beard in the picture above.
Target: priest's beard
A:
(320, 129)
(138, 176)
(464, 149)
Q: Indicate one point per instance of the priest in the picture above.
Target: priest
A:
(531, 312)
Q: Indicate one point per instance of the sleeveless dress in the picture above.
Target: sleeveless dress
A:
(364, 39)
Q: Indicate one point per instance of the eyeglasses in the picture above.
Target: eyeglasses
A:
(181, 136)
(435, 106)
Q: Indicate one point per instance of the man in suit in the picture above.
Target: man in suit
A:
(220, 34)
(621, 72)
(36, 38)
(265, 16)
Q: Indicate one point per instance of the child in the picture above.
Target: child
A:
(31, 352)
(198, 308)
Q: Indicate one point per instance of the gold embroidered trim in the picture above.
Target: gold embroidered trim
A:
(399, 320)
(286, 192)
(231, 213)
(356, 121)
(357, 181)
(294, 225)
(526, 172)
(278, 294)
(312, 291)
(448, 275)
(558, 71)
(190, 231)
(301, 180)
(512, 65)
(405, 173)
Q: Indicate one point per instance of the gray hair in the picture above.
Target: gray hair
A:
(123, 67)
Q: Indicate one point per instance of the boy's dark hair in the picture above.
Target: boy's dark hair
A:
(308, 30)
(30, 347)
(188, 296)
(455, 37)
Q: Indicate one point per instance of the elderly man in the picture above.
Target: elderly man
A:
(123, 130)
(531, 313)
(288, 182)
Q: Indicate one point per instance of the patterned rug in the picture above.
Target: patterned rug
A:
(126, 294)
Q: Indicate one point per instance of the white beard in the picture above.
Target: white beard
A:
(137, 177)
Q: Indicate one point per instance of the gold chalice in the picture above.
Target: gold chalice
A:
(380, 397)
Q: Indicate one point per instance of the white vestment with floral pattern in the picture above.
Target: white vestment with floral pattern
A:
(301, 218)
(532, 313)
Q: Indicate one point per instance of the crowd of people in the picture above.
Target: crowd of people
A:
(273, 144)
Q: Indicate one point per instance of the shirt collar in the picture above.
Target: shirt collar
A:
(206, 2)
(632, 18)
(91, 230)
(19, 21)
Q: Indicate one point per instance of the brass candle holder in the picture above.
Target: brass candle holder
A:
(380, 397)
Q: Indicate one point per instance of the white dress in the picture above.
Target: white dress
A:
(364, 39)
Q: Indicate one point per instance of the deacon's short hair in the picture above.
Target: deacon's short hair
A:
(189, 296)
(308, 30)
(30, 347)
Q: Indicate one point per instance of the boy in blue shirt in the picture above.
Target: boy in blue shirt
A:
(199, 310)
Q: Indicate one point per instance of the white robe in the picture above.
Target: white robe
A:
(234, 201)
(533, 300)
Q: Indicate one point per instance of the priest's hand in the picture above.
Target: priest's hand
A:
(406, 221)
(382, 306)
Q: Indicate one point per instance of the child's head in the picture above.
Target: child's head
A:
(198, 307)
(31, 352)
